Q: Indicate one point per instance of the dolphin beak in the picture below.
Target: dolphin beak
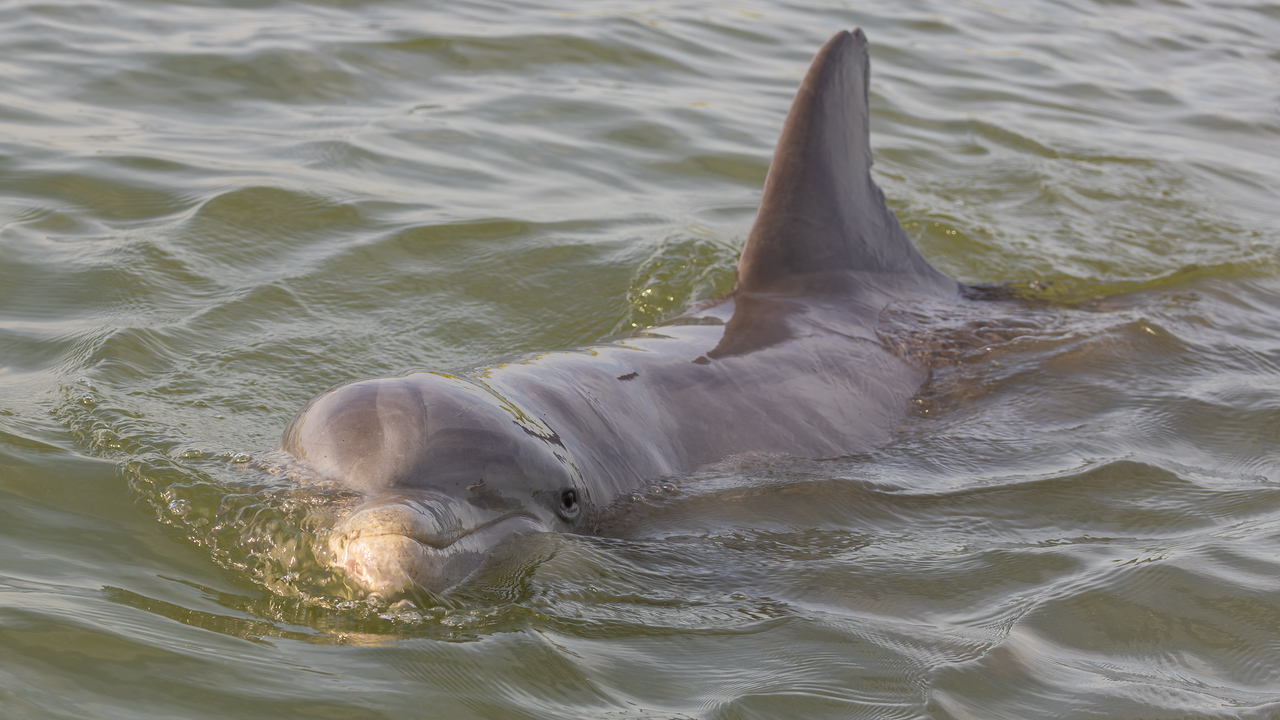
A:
(394, 548)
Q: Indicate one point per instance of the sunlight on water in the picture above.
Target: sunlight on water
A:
(211, 212)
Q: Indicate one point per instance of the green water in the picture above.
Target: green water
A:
(209, 212)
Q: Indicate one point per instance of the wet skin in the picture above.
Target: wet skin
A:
(790, 363)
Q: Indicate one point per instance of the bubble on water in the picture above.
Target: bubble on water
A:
(179, 507)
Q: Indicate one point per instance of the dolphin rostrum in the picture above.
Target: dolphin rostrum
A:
(789, 363)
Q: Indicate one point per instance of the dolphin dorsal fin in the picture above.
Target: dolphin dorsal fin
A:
(823, 226)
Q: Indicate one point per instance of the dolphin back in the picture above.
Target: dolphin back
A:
(823, 227)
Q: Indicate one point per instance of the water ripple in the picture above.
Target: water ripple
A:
(211, 211)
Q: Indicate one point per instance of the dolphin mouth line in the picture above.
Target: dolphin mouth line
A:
(393, 561)
(437, 541)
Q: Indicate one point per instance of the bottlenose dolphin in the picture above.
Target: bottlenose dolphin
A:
(788, 363)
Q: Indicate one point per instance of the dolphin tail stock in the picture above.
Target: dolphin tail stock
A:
(823, 227)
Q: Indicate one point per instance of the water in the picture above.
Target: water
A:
(210, 212)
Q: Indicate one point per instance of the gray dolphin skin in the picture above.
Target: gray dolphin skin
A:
(789, 363)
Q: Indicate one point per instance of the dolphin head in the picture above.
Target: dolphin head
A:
(447, 469)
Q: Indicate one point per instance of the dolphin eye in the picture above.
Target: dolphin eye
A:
(569, 504)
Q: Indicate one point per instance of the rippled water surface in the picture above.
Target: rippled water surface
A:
(209, 212)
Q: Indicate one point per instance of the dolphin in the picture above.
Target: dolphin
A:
(448, 465)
